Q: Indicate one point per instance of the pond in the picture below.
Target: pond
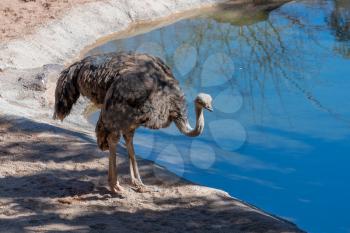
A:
(279, 136)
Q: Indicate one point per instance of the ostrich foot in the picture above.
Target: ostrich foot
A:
(116, 187)
(139, 187)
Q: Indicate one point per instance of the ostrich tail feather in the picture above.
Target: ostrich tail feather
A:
(67, 91)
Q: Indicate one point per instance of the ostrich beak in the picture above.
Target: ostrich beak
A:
(209, 108)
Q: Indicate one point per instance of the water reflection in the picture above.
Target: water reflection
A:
(339, 20)
(280, 131)
(202, 155)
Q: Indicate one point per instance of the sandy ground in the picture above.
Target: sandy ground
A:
(53, 178)
(21, 17)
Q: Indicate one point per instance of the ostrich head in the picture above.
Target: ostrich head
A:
(204, 101)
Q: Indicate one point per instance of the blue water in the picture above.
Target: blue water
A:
(279, 136)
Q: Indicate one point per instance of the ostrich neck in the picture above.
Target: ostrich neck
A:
(184, 126)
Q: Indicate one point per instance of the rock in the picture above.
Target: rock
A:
(38, 81)
(37, 84)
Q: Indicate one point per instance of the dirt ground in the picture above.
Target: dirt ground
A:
(21, 17)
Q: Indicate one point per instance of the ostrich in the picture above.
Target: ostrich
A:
(132, 90)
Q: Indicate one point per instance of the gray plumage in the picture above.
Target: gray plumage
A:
(93, 75)
(132, 90)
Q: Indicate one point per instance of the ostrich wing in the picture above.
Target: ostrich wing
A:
(141, 98)
(127, 101)
(100, 71)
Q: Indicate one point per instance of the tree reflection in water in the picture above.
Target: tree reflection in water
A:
(339, 21)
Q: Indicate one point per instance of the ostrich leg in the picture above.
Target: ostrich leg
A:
(134, 170)
(112, 169)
